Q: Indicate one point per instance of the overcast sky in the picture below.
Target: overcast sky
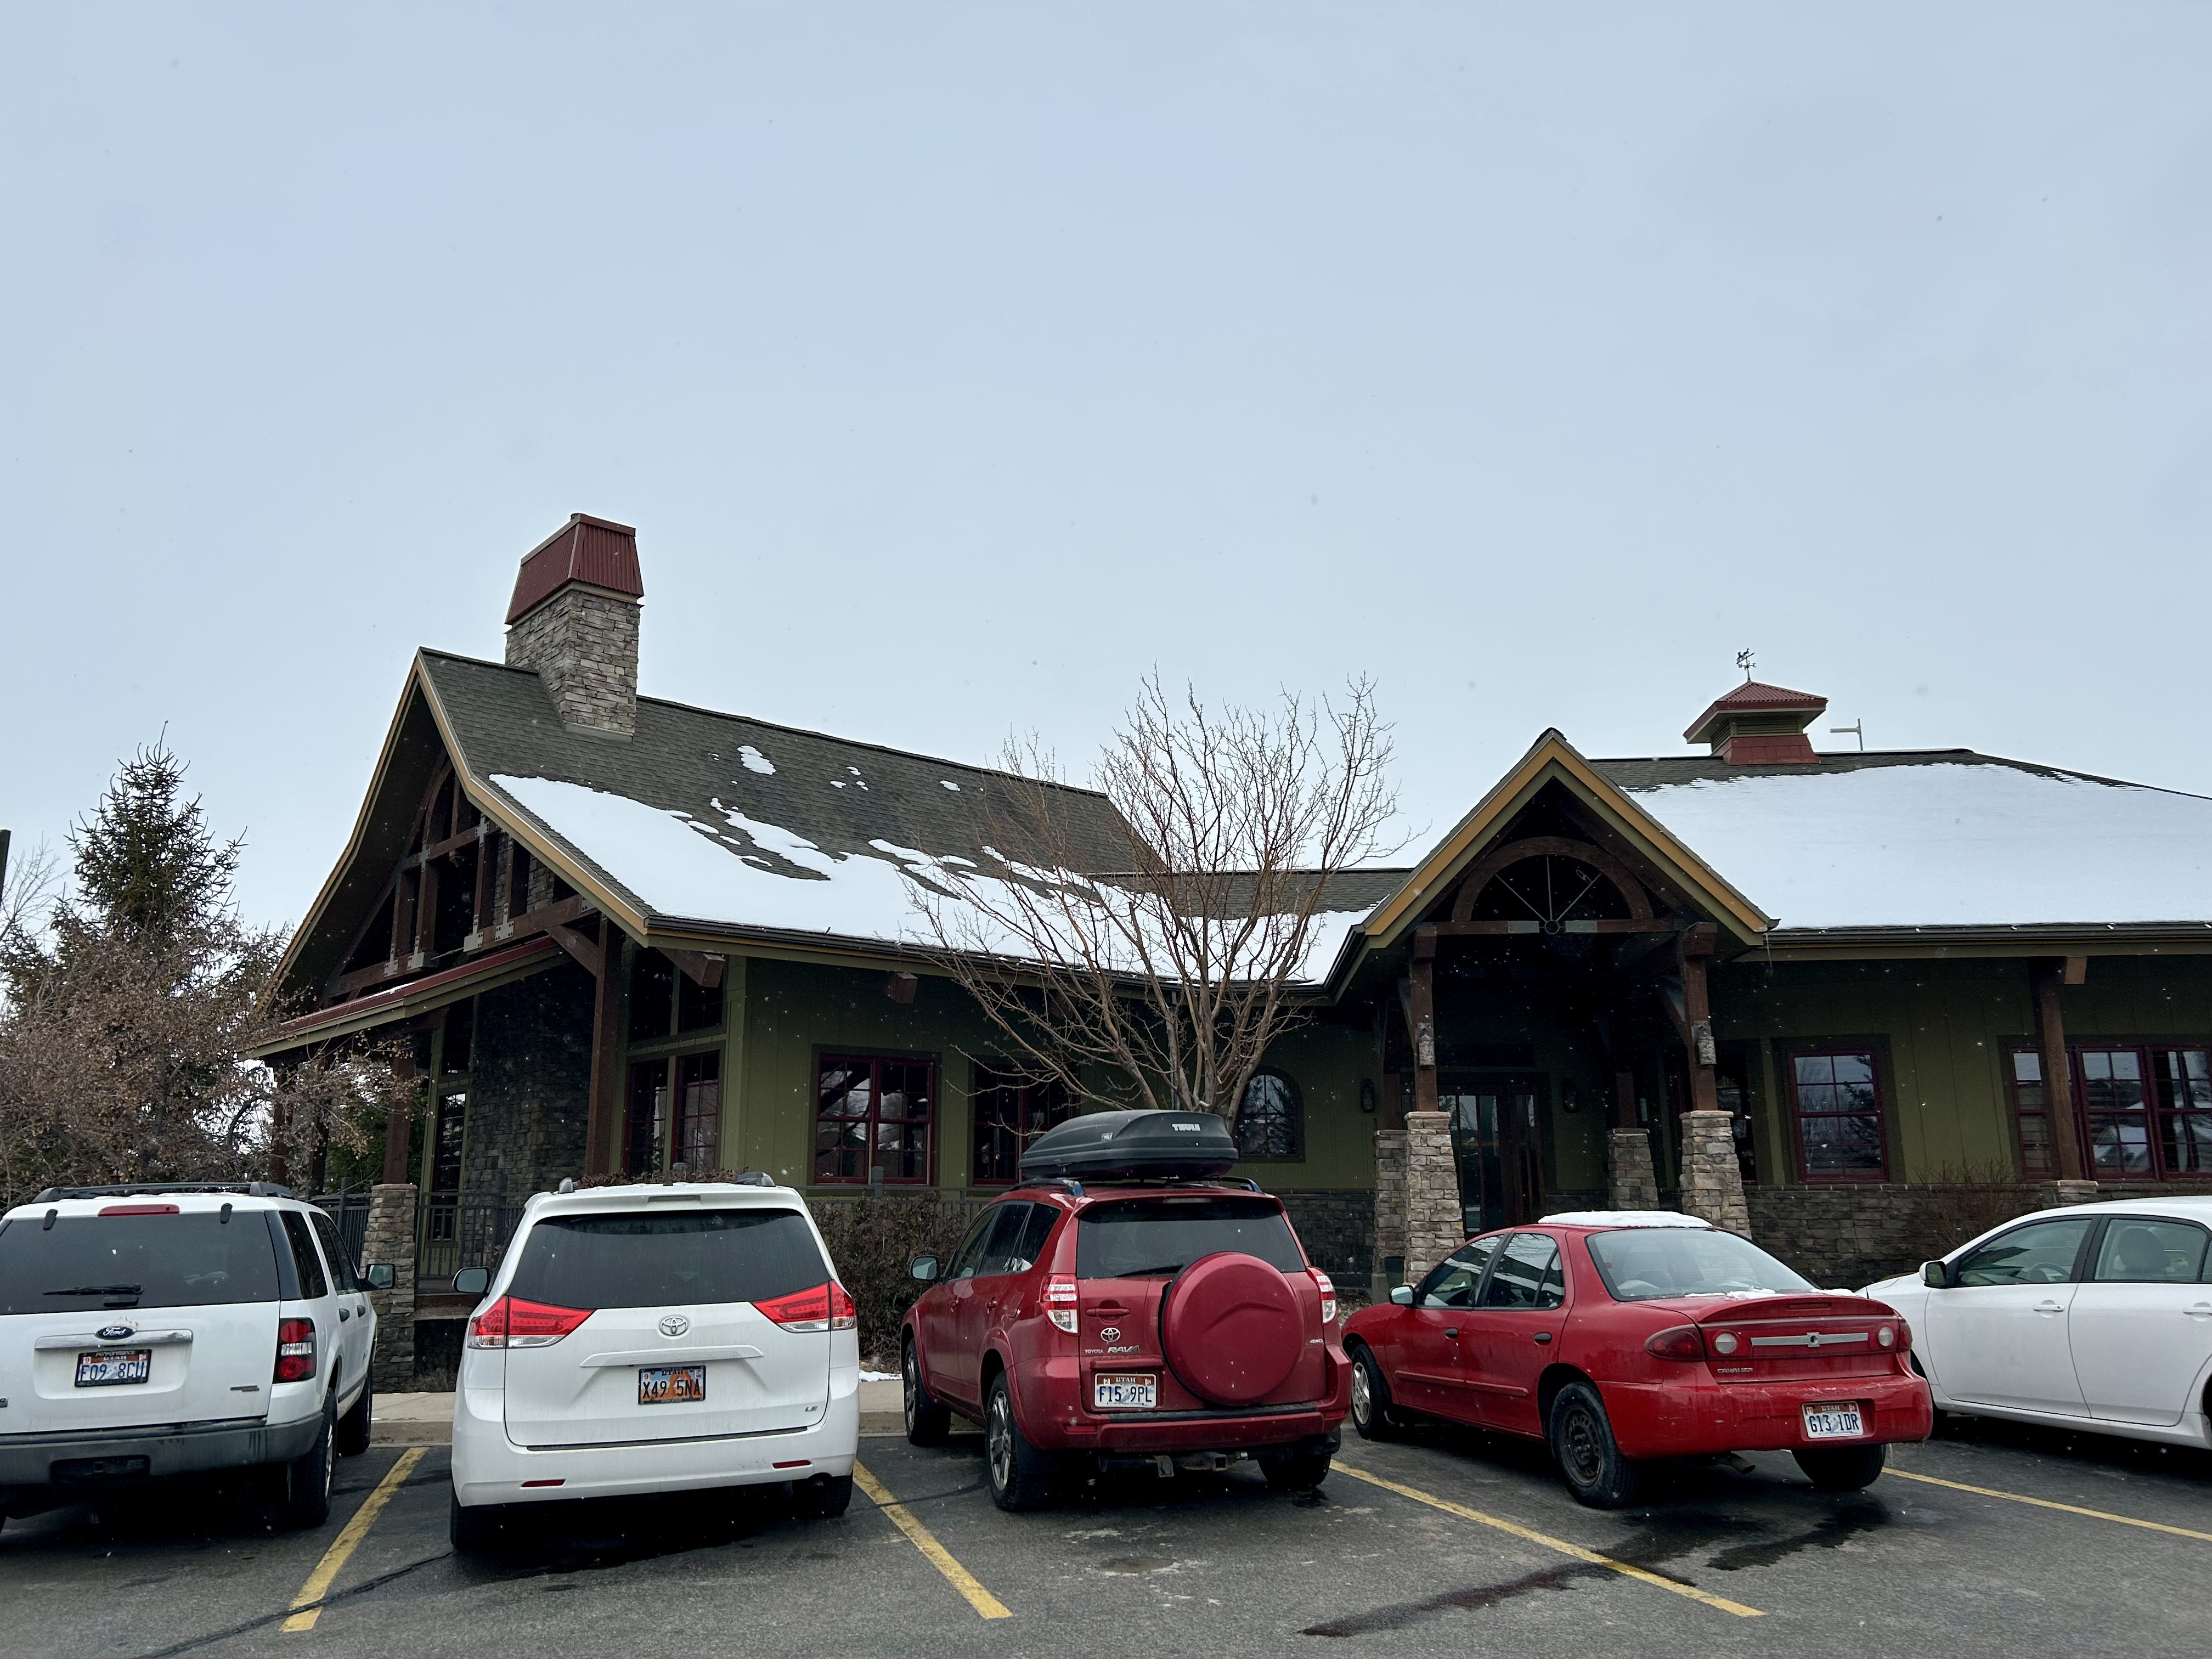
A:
(957, 363)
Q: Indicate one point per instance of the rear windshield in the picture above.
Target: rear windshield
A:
(87, 1262)
(633, 1260)
(1642, 1263)
(1157, 1237)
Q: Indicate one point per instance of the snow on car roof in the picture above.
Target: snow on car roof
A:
(1623, 1218)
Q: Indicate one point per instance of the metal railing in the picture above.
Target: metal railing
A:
(349, 1208)
(468, 1231)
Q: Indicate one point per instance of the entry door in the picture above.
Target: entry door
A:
(1997, 1336)
(2141, 1328)
(1498, 1141)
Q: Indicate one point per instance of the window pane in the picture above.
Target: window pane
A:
(646, 1128)
(2184, 1079)
(1452, 1282)
(651, 996)
(698, 1008)
(1268, 1122)
(1157, 1237)
(1839, 1128)
(2027, 1067)
(2041, 1253)
(2035, 1144)
(1527, 1274)
(1640, 1264)
(2151, 1253)
(1816, 1068)
(1004, 1248)
(2120, 1146)
(632, 1261)
(121, 1261)
(2188, 1137)
(452, 1132)
(1842, 1144)
(1853, 1068)
(699, 1112)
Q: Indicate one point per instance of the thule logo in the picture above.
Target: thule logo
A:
(1189, 1128)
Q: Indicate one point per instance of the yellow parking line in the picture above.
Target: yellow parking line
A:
(341, 1548)
(940, 1557)
(1550, 1543)
(2046, 1503)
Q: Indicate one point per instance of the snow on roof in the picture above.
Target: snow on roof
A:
(1949, 843)
(768, 877)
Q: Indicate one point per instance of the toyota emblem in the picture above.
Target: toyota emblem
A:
(1110, 1334)
(674, 1324)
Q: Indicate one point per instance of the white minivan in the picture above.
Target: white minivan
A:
(654, 1339)
(152, 1330)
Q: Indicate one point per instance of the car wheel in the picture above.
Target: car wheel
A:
(1372, 1415)
(822, 1499)
(304, 1482)
(1843, 1469)
(1297, 1471)
(473, 1531)
(927, 1421)
(1018, 1475)
(353, 1427)
(1588, 1457)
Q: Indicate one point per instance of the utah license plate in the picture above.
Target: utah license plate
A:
(661, 1385)
(1111, 1394)
(1833, 1423)
(111, 1367)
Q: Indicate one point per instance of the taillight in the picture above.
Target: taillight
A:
(295, 1350)
(1904, 1336)
(1677, 1342)
(1887, 1336)
(512, 1323)
(139, 1209)
(1060, 1301)
(823, 1307)
(1327, 1286)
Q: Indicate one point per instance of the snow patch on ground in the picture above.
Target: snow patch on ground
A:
(1946, 845)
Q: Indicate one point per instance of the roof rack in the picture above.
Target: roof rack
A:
(1067, 1184)
(1237, 1183)
(132, 1188)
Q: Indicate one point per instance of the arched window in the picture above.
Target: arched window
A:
(1272, 1123)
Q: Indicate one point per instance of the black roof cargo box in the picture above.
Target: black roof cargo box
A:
(1105, 1145)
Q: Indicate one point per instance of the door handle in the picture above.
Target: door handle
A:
(344, 1315)
(2050, 1308)
(1452, 1332)
(1110, 1309)
(1543, 1336)
(2199, 1311)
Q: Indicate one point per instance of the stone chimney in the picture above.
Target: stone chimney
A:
(573, 620)
(1758, 724)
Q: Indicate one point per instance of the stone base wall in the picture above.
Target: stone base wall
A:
(1388, 1266)
(1842, 1238)
(1631, 1182)
(390, 1239)
(1337, 1227)
(1435, 1223)
(1712, 1179)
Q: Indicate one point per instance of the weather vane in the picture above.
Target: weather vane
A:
(1743, 661)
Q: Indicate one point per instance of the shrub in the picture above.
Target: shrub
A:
(871, 1239)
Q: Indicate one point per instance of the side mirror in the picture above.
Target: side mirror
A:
(923, 1267)
(1935, 1276)
(472, 1281)
(1403, 1296)
(379, 1275)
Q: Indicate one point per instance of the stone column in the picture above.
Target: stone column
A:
(1390, 1210)
(1632, 1180)
(391, 1238)
(1435, 1224)
(1712, 1179)
(2075, 1192)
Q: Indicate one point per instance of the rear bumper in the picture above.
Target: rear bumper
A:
(30, 1460)
(1196, 1432)
(490, 1468)
(1690, 1418)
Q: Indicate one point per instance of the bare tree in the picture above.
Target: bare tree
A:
(1164, 981)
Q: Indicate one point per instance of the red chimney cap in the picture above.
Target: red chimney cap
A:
(598, 552)
(1752, 698)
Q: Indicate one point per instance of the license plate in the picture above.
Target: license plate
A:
(1123, 1394)
(112, 1367)
(662, 1385)
(1833, 1423)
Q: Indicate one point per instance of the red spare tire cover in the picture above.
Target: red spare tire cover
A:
(1230, 1328)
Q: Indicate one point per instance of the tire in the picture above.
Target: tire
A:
(1843, 1469)
(474, 1531)
(1017, 1475)
(1589, 1459)
(927, 1420)
(353, 1427)
(821, 1499)
(304, 1483)
(1372, 1414)
(1297, 1471)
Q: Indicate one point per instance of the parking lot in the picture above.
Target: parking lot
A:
(2070, 1546)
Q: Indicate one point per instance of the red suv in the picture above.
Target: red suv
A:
(1145, 1315)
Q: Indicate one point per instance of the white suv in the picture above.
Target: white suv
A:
(651, 1338)
(155, 1330)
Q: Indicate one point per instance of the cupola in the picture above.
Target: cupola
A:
(1758, 725)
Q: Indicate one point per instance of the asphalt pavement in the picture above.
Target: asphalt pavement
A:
(1989, 1540)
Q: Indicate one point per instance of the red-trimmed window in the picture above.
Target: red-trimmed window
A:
(2145, 1110)
(872, 1118)
(666, 1128)
(1837, 1102)
(1011, 1110)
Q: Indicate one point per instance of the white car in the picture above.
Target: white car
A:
(2094, 1316)
(147, 1331)
(654, 1339)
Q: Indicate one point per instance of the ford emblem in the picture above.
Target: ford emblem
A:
(674, 1324)
(115, 1333)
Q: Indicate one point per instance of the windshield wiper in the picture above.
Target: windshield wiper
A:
(1147, 1273)
(99, 1290)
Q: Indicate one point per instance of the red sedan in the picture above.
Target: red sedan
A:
(1622, 1337)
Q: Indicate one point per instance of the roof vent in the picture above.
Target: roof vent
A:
(1758, 724)
(573, 620)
